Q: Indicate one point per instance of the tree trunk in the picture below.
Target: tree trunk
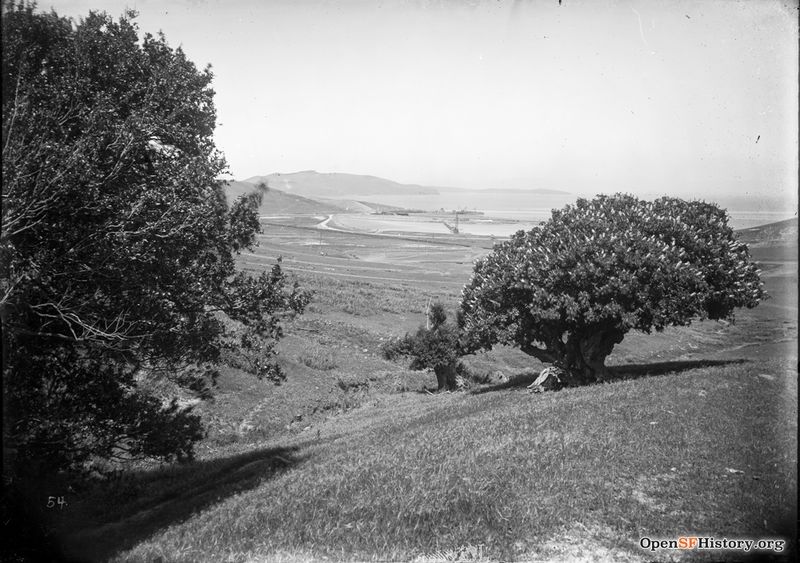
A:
(585, 358)
(445, 377)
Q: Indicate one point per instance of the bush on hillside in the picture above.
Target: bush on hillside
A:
(436, 346)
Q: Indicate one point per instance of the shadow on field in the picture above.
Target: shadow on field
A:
(617, 373)
(522, 379)
(115, 519)
(635, 371)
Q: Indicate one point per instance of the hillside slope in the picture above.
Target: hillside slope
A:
(334, 184)
(773, 243)
(578, 475)
(276, 202)
(780, 232)
(351, 458)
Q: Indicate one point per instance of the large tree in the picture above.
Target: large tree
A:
(567, 291)
(117, 244)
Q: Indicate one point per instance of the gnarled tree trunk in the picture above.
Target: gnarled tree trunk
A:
(445, 377)
(585, 357)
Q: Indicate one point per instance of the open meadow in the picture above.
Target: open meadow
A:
(354, 458)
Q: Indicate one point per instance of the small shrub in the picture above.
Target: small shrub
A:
(462, 383)
(352, 384)
(318, 358)
(399, 384)
(435, 348)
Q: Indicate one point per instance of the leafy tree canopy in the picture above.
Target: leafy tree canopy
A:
(117, 244)
(567, 291)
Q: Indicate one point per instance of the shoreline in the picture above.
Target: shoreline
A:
(489, 226)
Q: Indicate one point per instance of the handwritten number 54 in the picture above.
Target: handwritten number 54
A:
(52, 502)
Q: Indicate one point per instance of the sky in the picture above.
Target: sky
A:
(665, 97)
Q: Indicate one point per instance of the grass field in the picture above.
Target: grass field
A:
(352, 458)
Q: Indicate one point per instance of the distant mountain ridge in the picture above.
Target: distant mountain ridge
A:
(310, 183)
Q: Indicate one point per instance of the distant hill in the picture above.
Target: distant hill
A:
(276, 202)
(337, 185)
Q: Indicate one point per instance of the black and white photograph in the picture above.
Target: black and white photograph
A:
(419, 281)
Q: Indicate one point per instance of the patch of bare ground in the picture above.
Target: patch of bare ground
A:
(584, 544)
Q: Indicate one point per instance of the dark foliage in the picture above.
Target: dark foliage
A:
(435, 347)
(118, 277)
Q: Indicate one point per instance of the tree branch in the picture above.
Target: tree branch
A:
(542, 354)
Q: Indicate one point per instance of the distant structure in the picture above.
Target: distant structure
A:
(452, 228)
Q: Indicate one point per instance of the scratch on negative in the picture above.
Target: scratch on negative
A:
(641, 31)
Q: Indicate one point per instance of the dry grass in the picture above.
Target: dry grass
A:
(426, 476)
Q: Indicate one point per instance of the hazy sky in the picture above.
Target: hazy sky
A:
(686, 98)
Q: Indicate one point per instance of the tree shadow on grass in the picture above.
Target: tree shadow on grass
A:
(617, 373)
(635, 371)
(522, 379)
(115, 516)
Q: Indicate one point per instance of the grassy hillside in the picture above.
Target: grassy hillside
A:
(352, 458)
(578, 473)
(776, 241)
